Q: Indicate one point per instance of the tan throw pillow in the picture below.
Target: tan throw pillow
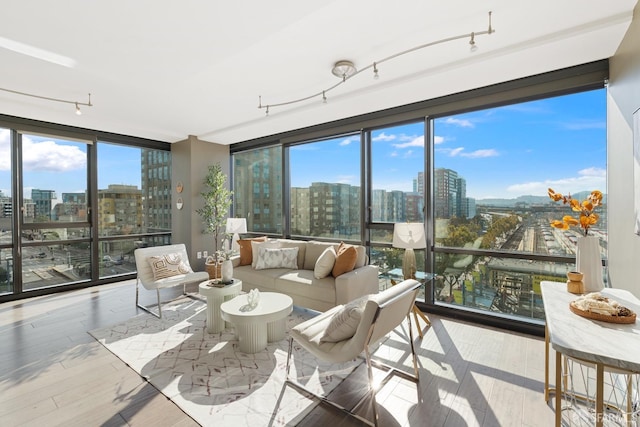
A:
(168, 265)
(346, 257)
(246, 254)
(325, 263)
(344, 323)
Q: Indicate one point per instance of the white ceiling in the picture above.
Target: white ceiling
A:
(164, 69)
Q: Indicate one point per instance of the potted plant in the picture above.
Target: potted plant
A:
(217, 201)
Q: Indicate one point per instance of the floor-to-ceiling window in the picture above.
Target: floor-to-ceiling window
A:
(73, 209)
(492, 171)
(474, 168)
(6, 210)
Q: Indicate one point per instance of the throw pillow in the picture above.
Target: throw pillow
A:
(277, 258)
(168, 265)
(346, 257)
(344, 323)
(325, 263)
(246, 254)
(257, 244)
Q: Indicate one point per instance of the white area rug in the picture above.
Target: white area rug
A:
(207, 375)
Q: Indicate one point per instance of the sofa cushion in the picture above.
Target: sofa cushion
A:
(302, 282)
(346, 257)
(361, 261)
(344, 322)
(324, 264)
(314, 250)
(300, 244)
(246, 253)
(277, 258)
(263, 279)
(167, 265)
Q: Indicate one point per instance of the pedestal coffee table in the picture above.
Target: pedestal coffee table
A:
(264, 323)
(216, 295)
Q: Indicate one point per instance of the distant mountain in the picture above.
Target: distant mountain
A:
(531, 200)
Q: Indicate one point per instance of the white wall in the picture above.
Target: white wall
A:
(623, 100)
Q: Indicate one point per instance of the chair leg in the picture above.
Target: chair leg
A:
(147, 308)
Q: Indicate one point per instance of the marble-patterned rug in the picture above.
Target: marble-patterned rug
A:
(207, 375)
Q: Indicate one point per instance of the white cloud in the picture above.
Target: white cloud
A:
(346, 179)
(489, 152)
(464, 123)
(50, 156)
(349, 140)
(585, 124)
(438, 139)
(417, 141)
(384, 137)
(586, 180)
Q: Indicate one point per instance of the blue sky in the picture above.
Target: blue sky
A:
(501, 152)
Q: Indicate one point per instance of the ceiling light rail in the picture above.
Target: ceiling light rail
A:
(346, 70)
(47, 98)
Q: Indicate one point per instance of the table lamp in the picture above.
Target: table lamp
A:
(409, 236)
(236, 226)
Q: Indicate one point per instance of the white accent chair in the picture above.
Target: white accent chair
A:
(382, 313)
(146, 278)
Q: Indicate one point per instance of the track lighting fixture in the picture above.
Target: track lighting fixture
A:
(346, 70)
(46, 98)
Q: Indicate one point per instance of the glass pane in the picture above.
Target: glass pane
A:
(6, 271)
(54, 179)
(6, 214)
(493, 168)
(116, 256)
(257, 189)
(54, 234)
(325, 190)
(55, 264)
(501, 285)
(134, 190)
(397, 170)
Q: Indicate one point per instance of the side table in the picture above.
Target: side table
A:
(215, 297)
(257, 326)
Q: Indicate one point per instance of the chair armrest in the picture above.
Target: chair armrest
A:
(356, 283)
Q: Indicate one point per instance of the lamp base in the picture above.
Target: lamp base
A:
(409, 264)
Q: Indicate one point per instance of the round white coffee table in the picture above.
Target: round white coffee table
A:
(215, 297)
(265, 323)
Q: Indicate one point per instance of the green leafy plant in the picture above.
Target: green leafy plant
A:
(217, 201)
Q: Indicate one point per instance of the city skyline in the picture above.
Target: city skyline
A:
(528, 147)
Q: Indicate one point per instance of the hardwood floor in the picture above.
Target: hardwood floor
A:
(54, 373)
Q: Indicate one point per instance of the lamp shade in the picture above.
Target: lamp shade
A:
(236, 225)
(409, 235)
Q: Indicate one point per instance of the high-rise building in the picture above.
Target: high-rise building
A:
(450, 194)
(156, 190)
(43, 204)
(418, 184)
(120, 210)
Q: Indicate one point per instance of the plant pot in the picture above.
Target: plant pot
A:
(589, 263)
(226, 271)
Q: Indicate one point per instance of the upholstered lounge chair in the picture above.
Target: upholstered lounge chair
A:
(381, 314)
(147, 278)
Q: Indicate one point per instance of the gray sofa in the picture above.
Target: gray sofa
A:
(301, 284)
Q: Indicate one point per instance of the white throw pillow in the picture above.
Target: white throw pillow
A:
(325, 263)
(255, 249)
(277, 258)
(344, 323)
(168, 265)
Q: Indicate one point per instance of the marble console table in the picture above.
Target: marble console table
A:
(601, 343)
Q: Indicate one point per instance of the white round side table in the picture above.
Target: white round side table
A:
(264, 323)
(215, 297)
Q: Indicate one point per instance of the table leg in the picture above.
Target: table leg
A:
(599, 394)
(276, 330)
(558, 391)
(252, 337)
(546, 364)
(215, 323)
